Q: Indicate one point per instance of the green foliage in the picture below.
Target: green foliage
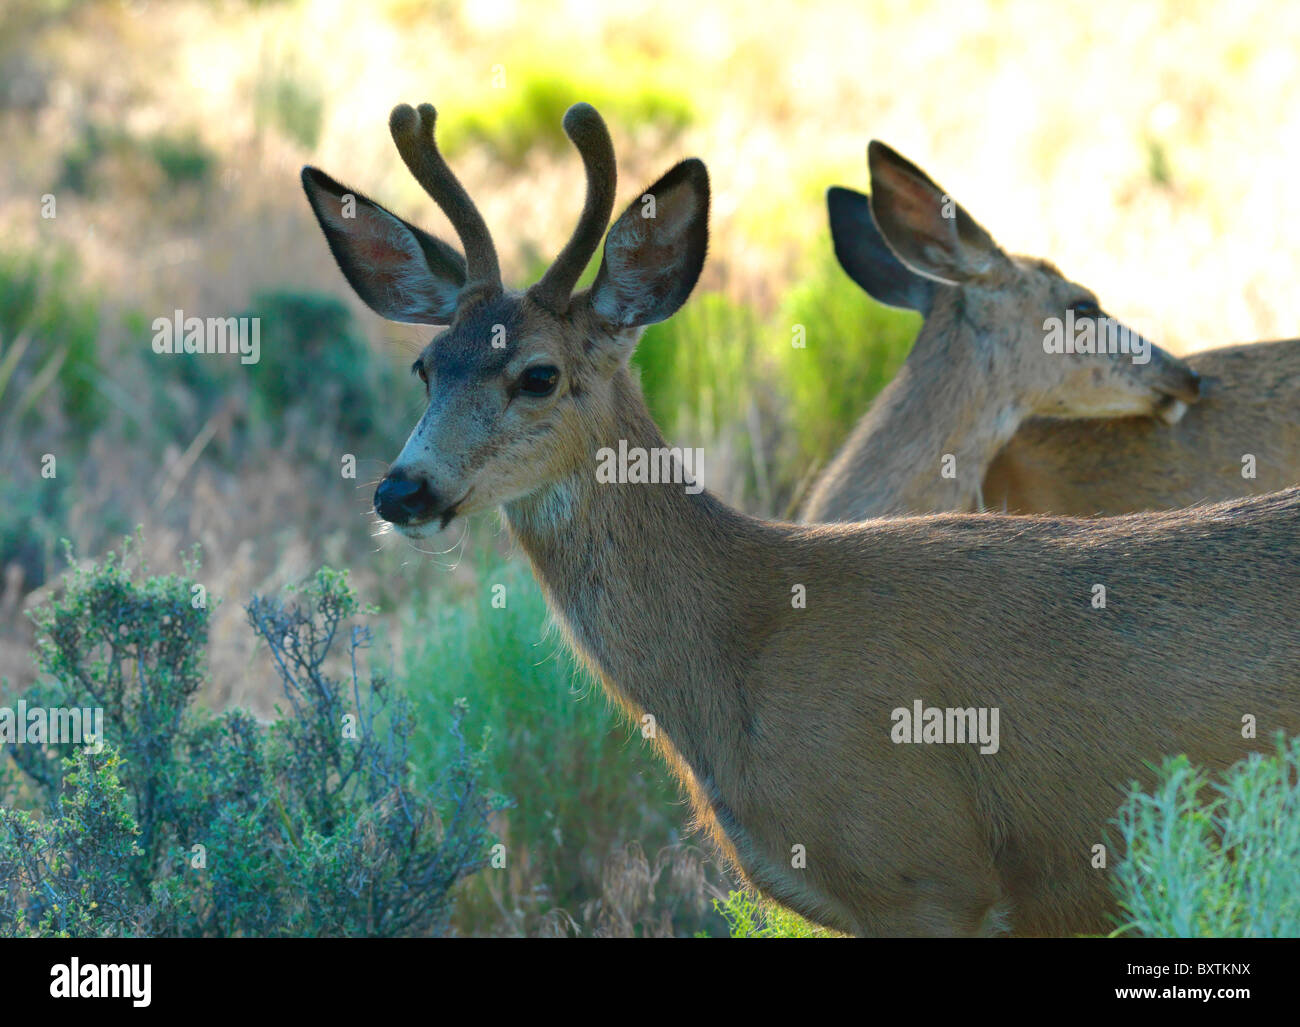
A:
(1159, 169)
(698, 367)
(313, 360)
(73, 871)
(1214, 860)
(181, 156)
(531, 107)
(718, 369)
(49, 326)
(853, 347)
(586, 783)
(190, 824)
(749, 915)
(293, 106)
(31, 521)
(133, 650)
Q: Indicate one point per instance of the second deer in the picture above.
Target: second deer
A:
(1025, 430)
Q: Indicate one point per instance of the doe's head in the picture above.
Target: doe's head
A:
(520, 383)
(911, 245)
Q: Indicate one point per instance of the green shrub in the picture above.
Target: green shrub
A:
(853, 348)
(32, 519)
(529, 113)
(181, 156)
(1217, 860)
(190, 824)
(699, 367)
(314, 360)
(285, 100)
(41, 301)
(717, 370)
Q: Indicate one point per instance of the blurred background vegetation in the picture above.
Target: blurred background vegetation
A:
(1149, 149)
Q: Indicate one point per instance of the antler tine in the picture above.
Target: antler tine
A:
(412, 131)
(586, 129)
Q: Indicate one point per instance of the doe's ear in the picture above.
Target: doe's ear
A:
(655, 251)
(401, 272)
(924, 225)
(867, 258)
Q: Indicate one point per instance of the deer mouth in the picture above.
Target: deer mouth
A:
(450, 513)
(424, 527)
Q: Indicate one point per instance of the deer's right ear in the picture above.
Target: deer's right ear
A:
(402, 273)
(925, 226)
(655, 251)
(867, 258)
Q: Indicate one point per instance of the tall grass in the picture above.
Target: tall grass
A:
(748, 915)
(584, 783)
(853, 347)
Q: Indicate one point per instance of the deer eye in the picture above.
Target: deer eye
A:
(539, 380)
(1085, 308)
(418, 369)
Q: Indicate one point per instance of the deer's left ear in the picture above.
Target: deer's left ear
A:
(402, 273)
(867, 258)
(655, 251)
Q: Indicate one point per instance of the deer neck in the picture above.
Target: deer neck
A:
(643, 578)
(932, 432)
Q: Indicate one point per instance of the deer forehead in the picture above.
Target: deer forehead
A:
(492, 336)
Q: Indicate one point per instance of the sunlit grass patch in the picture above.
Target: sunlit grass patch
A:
(750, 916)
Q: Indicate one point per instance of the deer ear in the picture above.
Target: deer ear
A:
(655, 251)
(402, 273)
(924, 225)
(867, 258)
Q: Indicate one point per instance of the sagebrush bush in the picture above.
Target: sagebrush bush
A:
(194, 824)
(1214, 859)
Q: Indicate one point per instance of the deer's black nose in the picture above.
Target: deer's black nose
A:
(400, 499)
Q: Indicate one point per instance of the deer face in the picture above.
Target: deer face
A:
(1068, 356)
(519, 383)
(1044, 342)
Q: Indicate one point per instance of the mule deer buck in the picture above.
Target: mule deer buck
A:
(1024, 428)
(776, 658)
